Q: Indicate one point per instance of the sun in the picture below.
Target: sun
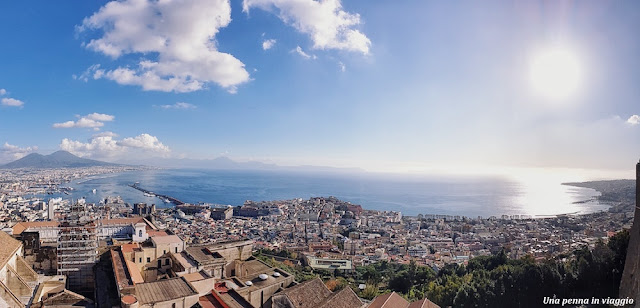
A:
(555, 73)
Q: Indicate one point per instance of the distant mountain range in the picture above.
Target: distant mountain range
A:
(59, 159)
(226, 163)
(64, 159)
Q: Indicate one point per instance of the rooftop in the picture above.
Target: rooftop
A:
(202, 255)
(22, 226)
(157, 233)
(344, 298)
(163, 290)
(423, 303)
(196, 276)
(389, 300)
(123, 278)
(234, 300)
(8, 248)
(212, 300)
(307, 294)
(167, 239)
(130, 247)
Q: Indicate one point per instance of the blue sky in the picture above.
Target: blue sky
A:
(382, 85)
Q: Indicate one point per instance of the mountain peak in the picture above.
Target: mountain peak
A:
(58, 159)
(34, 155)
(62, 154)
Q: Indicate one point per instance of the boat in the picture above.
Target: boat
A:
(93, 191)
(149, 195)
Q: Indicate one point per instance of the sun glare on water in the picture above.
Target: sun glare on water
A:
(555, 73)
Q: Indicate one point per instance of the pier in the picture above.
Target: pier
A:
(172, 199)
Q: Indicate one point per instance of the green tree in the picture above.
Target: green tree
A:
(370, 292)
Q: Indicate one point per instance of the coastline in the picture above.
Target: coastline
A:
(411, 198)
(619, 195)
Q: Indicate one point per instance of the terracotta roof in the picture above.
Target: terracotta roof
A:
(129, 299)
(130, 247)
(211, 300)
(157, 233)
(120, 271)
(344, 298)
(307, 294)
(389, 300)
(8, 248)
(22, 226)
(423, 303)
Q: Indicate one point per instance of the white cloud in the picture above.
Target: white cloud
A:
(176, 38)
(92, 71)
(328, 25)
(93, 120)
(9, 152)
(634, 119)
(268, 44)
(179, 105)
(100, 117)
(8, 101)
(105, 134)
(106, 146)
(97, 147)
(11, 102)
(145, 142)
(343, 68)
(303, 54)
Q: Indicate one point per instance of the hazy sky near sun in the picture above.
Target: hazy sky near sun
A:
(373, 84)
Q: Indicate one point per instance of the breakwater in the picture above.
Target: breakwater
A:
(163, 197)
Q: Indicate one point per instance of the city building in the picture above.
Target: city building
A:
(143, 209)
(221, 213)
(330, 264)
(77, 253)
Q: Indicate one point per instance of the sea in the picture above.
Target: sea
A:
(470, 196)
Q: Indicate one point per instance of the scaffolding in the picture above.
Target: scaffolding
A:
(77, 249)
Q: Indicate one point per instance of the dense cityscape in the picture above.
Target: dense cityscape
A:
(65, 245)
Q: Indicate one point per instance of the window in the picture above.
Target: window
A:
(139, 233)
(148, 259)
(166, 262)
(140, 261)
(173, 305)
(164, 252)
(176, 249)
